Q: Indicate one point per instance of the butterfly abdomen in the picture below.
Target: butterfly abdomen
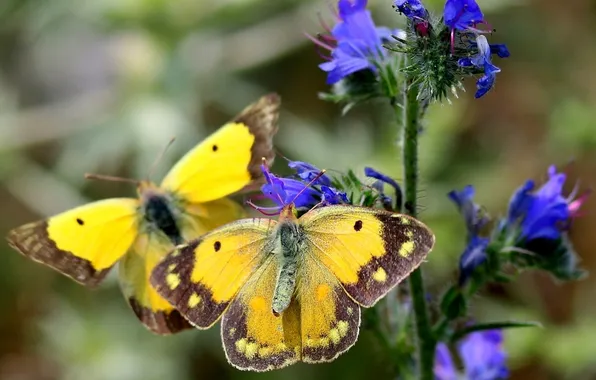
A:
(158, 213)
(290, 242)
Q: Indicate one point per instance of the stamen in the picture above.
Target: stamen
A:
(264, 210)
(318, 42)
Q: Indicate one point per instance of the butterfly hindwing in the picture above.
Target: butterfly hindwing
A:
(320, 323)
(368, 250)
(82, 243)
(134, 269)
(329, 318)
(228, 160)
(253, 337)
(202, 277)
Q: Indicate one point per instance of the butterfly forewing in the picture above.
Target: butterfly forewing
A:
(82, 243)
(228, 160)
(368, 250)
(202, 277)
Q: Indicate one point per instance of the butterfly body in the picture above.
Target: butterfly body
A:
(290, 245)
(85, 242)
(291, 290)
(160, 212)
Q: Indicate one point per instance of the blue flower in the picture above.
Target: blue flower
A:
(284, 191)
(483, 61)
(475, 252)
(473, 256)
(313, 188)
(411, 8)
(544, 213)
(381, 180)
(500, 50)
(462, 14)
(481, 353)
(308, 172)
(474, 217)
(444, 368)
(355, 42)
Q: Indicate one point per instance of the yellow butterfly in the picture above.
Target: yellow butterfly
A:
(291, 290)
(85, 242)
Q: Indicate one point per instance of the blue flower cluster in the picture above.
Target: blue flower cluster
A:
(534, 214)
(355, 42)
(462, 17)
(481, 353)
(310, 187)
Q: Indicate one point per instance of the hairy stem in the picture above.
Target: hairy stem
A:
(411, 123)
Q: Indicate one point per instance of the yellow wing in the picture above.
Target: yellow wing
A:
(320, 323)
(253, 337)
(200, 218)
(369, 251)
(151, 247)
(82, 243)
(134, 270)
(201, 278)
(229, 159)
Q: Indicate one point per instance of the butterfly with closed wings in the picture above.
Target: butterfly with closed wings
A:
(85, 242)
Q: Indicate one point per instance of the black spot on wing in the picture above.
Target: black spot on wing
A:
(358, 225)
(80, 221)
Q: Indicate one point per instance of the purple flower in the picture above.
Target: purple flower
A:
(481, 353)
(284, 191)
(475, 252)
(444, 367)
(308, 172)
(483, 61)
(472, 258)
(500, 50)
(544, 213)
(411, 8)
(379, 184)
(355, 42)
(474, 217)
(462, 14)
(303, 192)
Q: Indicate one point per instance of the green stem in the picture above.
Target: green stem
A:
(425, 338)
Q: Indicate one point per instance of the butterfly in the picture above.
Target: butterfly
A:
(291, 290)
(85, 242)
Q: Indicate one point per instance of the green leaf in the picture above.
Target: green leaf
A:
(492, 326)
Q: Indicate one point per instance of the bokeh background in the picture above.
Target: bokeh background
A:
(101, 86)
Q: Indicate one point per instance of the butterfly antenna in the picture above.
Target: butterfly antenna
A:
(110, 178)
(159, 158)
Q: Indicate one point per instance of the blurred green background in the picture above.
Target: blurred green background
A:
(101, 86)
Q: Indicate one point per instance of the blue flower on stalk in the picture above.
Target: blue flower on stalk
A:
(483, 61)
(481, 353)
(355, 42)
(475, 219)
(544, 213)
